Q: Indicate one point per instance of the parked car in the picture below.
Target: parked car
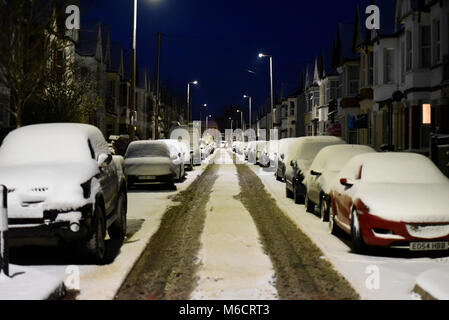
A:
(63, 187)
(284, 147)
(269, 154)
(298, 161)
(392, 200)
(260, 147)
(152, 161)
(177, 149)
(252, 150)
(327, 164)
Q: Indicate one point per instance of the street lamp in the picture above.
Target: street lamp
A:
(188, 100)
(261, 55)
(241, 121)
(201, 112)
(133, 106)
(207, 121)
(232, 123)
(250, 109)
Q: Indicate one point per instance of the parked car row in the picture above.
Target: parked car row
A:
(395, 200)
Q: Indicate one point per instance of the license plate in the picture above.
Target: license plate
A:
(429, 246)
(147, 178)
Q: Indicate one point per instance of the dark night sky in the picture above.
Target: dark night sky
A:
(216, 41)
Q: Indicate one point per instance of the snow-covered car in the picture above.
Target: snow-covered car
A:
(63, 187)
(177, 150)
(152, 161)
(260, 147)
(392, 200)
(299, 159)
(252, 150)
(269, 152)
(327, 164)
(281, 157)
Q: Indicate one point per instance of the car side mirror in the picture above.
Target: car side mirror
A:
(104, 160)
(179, 155)
(282, 156)
(316, 174)
(346, 182)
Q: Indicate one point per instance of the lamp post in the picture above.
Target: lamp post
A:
(207, 121)
(133, 78)
(232, 123)
(250, 110)
(241, 121)
(188, 100)
(203, 106)
(261, 55)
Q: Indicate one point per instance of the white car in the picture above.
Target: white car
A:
(298, 161)
(396, 200)
(152, 161)
(327, 164)
(63, 187)
(283, 147)
(178, 149)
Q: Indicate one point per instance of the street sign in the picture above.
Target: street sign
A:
(4, 250)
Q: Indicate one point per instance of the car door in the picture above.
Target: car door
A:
(108, 179)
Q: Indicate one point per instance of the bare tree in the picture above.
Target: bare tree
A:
(30, 38)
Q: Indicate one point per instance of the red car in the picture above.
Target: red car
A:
(392, 200)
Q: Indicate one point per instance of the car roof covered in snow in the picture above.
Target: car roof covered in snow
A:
(306, 148)
(336, 156)
(406, 168)
(52, 142)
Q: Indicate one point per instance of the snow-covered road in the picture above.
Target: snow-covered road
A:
(234, 265)
(388, 275)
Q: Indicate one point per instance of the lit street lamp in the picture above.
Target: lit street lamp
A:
(201, 112)
(261, 55)
(232, 123)
(250, 109)
(189, 111)
(133, 106)
(241, 121)
(207, 121)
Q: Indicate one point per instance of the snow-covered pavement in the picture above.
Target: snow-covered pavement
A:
(390, 275)
(234, 265)
(145, 210)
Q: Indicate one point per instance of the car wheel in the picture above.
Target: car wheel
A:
(333, 228)
(324, 209)
(358, 244)
(297, 198)
(310, 206)
(118, 229)
(278, 178)
(95, 246)
(288, 193)
(171, 185)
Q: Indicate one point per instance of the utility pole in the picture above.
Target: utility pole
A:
(133, 108)
(156, 132)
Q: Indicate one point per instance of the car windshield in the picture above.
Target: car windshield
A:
(144, 150)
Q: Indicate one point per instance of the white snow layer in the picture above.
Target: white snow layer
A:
(29, 284)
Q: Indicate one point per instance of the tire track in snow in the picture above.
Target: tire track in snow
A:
(301, 273)
(167, 268)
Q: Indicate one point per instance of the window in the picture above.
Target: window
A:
(436, 41)
(340, 85)
(371, 69)
(427, 114)
(353, 72)
(362, 70)
(409, 58)
(292, 108)
(376, 72)
(388, 65)
(425, 46)
(403, 62)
